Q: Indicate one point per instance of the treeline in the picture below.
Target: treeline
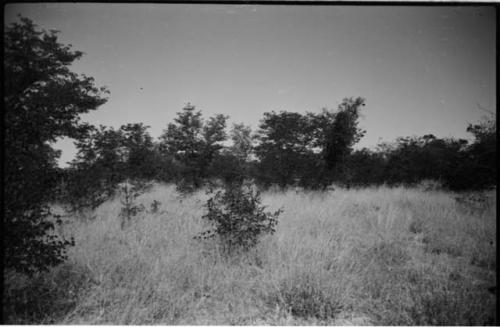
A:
(288, 149)
(311, 150)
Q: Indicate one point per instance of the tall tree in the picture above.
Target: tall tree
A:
(98, 167)
(193, 143)
(285, 146)
(339, 131)
(105, 158)
(364, 167)
(231, 166)
(43, 100)
(242, 138)
(482, 152)
(140, 152)
(213, 135)
(309, 148)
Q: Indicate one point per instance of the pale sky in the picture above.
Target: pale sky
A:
(421, 69)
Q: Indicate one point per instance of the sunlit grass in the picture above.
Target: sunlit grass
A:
(369, 256)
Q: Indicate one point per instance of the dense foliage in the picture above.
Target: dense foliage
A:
(193, 144)
(43, 100)
(105, 158)
(239, 218)
(311, 150)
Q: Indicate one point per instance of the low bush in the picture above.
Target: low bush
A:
(238, 216)
(130, 190)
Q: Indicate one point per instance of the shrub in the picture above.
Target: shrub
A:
(130, 190)
(155, 206)
(238, 216)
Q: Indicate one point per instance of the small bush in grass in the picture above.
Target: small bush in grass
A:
(155, 206)
(311, 303)
(305, 298)
(130, 190)
(416, 226)
(238, 216)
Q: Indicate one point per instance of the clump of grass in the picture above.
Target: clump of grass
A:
(304, 297)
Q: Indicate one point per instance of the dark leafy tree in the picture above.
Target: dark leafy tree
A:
(107, 157)
(308, 149)
(482, 153)
(337, 133)
(413, 159)
(441, 159)
(140, 152)
(213, 135)
(285, 145)
(193, 144)
(231, 165)
(43, 100)
(182, 141)
(403, 165)
(226, 168)
(98, 168)
(242, 138)
(364, 168)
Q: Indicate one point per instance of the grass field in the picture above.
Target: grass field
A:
(348, 257)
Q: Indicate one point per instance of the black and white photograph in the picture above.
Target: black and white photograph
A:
(249, 163)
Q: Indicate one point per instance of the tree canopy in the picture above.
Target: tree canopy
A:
(193, 143)
(43, 101)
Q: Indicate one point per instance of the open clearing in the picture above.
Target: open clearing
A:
(370, 256)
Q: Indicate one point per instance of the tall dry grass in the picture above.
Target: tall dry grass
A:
(369, 256)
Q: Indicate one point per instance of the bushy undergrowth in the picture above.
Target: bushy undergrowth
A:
(364, 257)
(239, 217)
(129, 191)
